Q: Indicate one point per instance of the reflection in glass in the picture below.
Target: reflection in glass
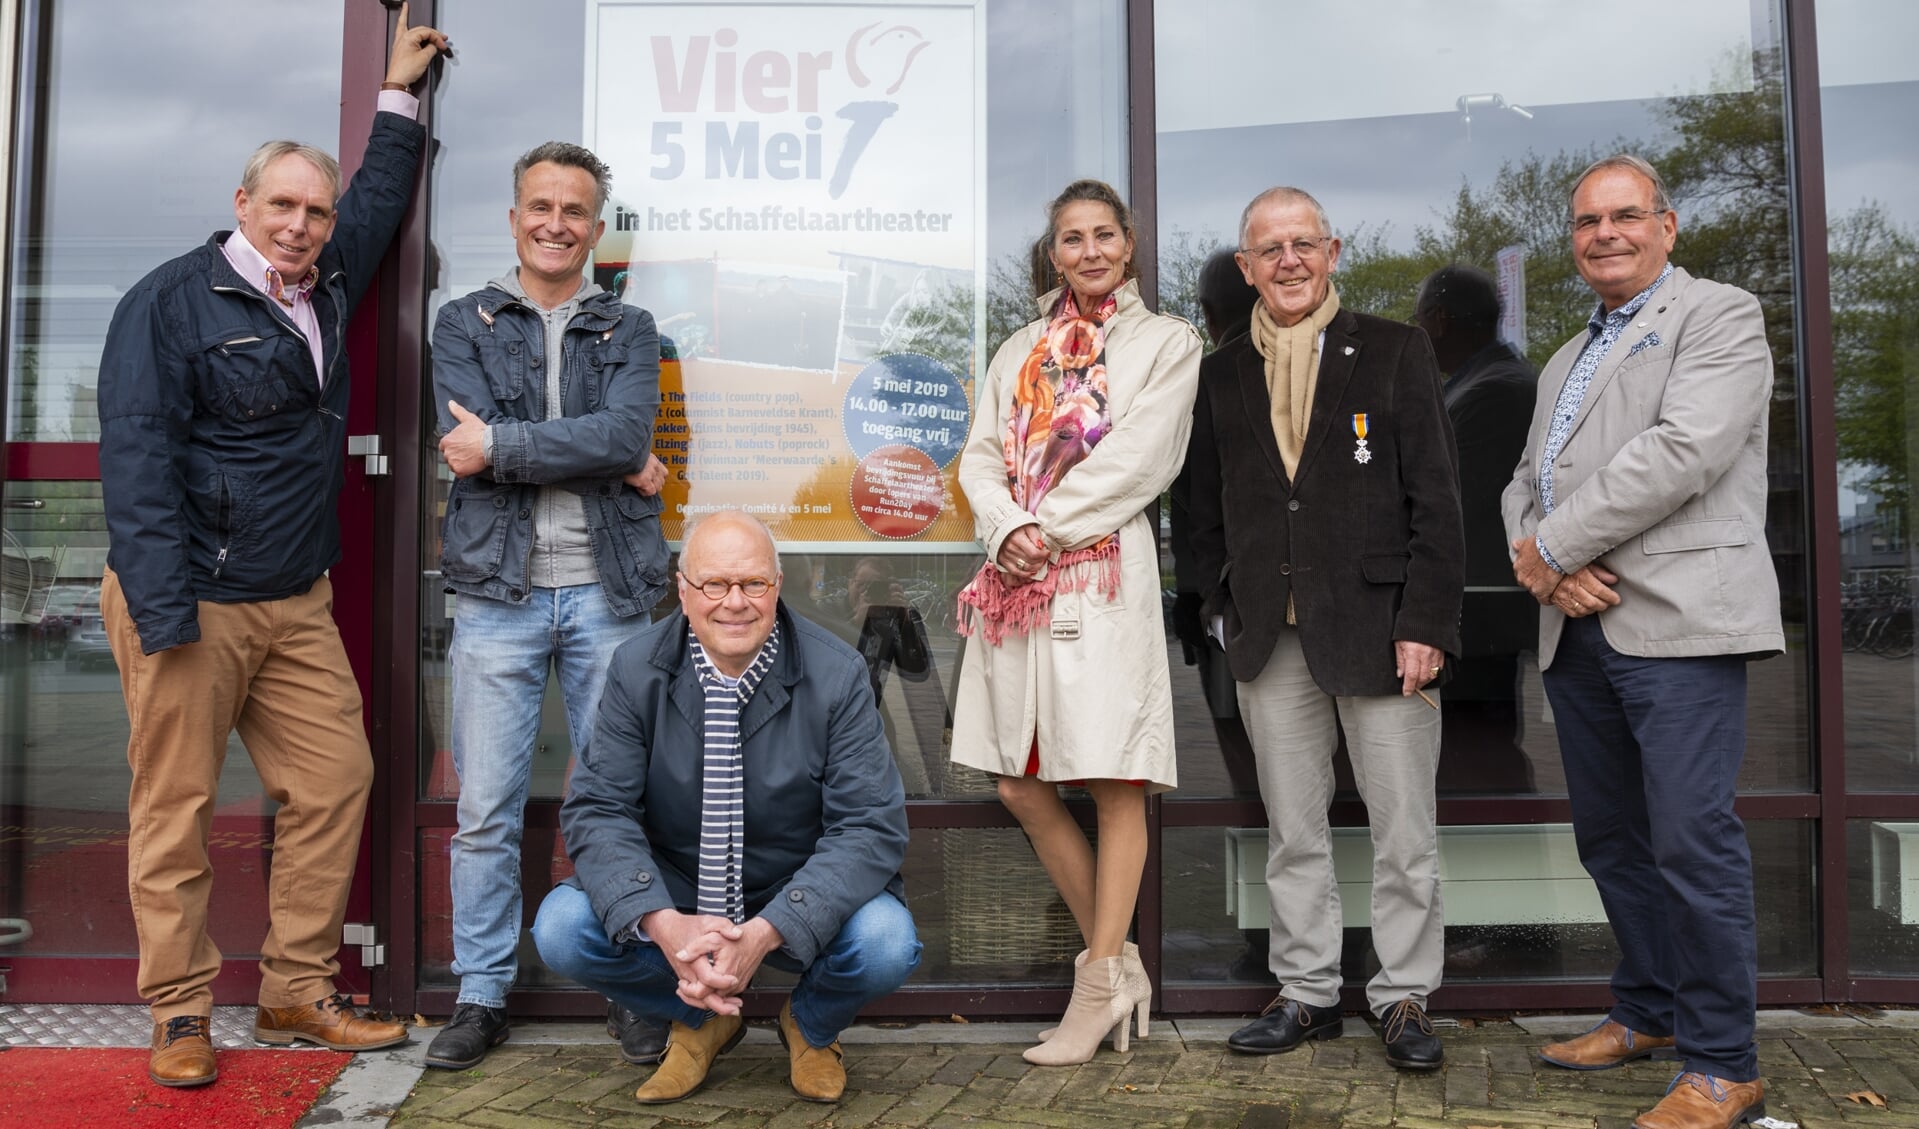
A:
(1518, 904)
(1416, 175)
(63, 749)
(156, 96)
(1882, 896)
(1872, 197)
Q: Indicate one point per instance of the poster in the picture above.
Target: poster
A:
(798, 197)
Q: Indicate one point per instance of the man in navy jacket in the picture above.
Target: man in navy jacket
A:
(737, 804)
(223, 397)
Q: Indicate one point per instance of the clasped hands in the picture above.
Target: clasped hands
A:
(464, 449)
(1578, 593)
(1023, 555)
(714, 959)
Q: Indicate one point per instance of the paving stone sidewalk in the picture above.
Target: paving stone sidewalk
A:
(1183, 1077)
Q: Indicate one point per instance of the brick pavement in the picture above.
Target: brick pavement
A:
(943, 1076)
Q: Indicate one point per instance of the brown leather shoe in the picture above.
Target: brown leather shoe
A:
(690, 1052)
(331, 1023)
(1700, 1101)
(1608, 1045)
(818, 1074)
(181, 1053)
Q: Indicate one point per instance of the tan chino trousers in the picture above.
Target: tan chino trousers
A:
(276, 671)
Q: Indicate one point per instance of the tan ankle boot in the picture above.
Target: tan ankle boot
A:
(1129, 953)
(690, 1052)
(1105, 995)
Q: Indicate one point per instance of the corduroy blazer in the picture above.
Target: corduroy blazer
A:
(1370, 550)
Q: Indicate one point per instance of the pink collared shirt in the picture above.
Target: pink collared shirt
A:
(253, 266)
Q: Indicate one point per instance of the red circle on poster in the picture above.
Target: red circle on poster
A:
(897, 491)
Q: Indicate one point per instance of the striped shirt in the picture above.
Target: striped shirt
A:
(723, 780)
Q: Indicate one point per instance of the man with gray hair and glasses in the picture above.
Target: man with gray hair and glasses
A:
(1637, 518)
(547, 387)
(223, 400)
(1326, 542)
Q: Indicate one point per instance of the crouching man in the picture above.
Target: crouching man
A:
(736, 804)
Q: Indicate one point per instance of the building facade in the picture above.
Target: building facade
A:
(831, 209)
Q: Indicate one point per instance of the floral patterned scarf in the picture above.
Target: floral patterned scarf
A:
(1059, 414)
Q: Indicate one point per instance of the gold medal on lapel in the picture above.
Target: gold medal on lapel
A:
(1360, 453)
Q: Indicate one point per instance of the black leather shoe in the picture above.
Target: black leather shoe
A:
(474, 1030)
(642, 1041)
(1409, 1038)
(1285, 1024)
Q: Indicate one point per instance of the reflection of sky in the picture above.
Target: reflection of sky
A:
(150, 123)
(1398, 172)
(1294, 61)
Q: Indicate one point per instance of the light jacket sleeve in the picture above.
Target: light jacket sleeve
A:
(1135, 462)
(375, 200)
(1718, 391)
(146, 412)
(863, 815)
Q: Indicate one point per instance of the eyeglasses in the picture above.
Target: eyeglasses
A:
(1270, 254)
(753, 587)
(1625, 219)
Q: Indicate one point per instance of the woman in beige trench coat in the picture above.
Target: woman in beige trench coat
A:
(1078, 427)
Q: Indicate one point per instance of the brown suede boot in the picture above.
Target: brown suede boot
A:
(181, 1053)
(690, 1052)
(817, 1074)
(1608, 1045)
(1700, 1101)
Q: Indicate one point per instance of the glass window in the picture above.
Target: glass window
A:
(63, 750)
(1519, 906)
(1044, 117)
(128, 149)
(1872, 217)
(992, 142)
(1882, 895)
(1461, 152)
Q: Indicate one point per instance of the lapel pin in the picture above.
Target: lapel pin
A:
(1349, 350)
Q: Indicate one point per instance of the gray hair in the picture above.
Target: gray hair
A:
(567, 155)
(272, 151)
(1282, 194)
(1660, 201)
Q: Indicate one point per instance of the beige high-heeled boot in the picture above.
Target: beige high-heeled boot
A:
(1129, 953)
(1106, 997)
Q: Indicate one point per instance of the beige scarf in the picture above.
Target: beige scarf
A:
(1292, 368)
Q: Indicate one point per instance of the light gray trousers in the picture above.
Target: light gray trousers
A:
(1394, 745)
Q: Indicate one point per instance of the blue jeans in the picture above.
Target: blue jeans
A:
(498, 662)
(874, 953)
(1652, 750)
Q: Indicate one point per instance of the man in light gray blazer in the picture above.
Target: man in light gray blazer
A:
(1637, 519)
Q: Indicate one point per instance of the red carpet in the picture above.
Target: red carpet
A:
(51, 1088)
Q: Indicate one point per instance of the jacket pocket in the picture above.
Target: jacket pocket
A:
(473, 536)
(1385, 568)
(257, 380)
(505, 366)
(1709, 533)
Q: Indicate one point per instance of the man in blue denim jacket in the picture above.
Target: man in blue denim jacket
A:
(548, 386)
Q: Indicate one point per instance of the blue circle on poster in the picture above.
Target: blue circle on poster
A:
(910, 399)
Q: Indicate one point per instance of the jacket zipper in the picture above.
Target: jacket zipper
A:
(226, 527)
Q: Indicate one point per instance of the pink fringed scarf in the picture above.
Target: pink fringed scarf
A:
(1059, 415)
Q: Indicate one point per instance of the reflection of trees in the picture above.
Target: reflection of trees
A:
(1875, 340)
(940, 327)
(1725, 166)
